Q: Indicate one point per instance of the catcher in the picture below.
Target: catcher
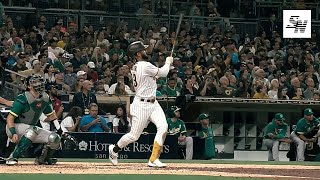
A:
(275, 133)
(23, 117)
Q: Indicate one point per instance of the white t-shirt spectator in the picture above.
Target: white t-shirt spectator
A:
(67, 123)
(273, 94)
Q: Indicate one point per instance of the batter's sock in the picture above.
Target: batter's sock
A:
(155, 152)
(21, 147)
(116, 148)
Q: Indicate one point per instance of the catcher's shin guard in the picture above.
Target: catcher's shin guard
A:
(21, 147)
(45, 156)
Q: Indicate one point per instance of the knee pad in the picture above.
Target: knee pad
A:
(31, 133)
(54, 141)
(133, 137)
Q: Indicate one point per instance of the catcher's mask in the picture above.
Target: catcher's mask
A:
(37, 82)
(136, 47)
(172, 110)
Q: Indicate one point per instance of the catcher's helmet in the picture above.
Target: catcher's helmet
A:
(172, 110)
(135, 47)
(37, 82)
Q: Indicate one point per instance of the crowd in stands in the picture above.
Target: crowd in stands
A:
(214, 62)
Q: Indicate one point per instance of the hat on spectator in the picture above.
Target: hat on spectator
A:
(197, 67)
(163, 30)
(279, 117)
(67, 64)
(91, 65)
(308, 112)
(282, 74)
(116, 42)
(81, 73)
(203, 116)
(35, 62)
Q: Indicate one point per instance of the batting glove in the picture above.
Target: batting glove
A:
(169, 60)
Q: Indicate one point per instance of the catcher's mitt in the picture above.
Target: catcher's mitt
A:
(69, 142)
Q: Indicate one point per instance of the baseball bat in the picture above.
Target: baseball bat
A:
(177, 32)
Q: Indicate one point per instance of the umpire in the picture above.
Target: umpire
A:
(3, 135)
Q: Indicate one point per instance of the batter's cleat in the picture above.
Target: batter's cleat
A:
(12, 161)
(113, 156)
(2, 160)
(157, 163)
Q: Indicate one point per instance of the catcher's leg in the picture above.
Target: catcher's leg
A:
(52, 142)
(24, 143)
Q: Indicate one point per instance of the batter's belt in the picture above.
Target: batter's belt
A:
(151, 100)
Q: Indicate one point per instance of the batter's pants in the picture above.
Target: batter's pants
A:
(142, 112)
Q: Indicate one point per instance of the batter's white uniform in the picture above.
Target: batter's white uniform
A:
(145, 107)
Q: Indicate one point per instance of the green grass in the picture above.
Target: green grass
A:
(215, 161)
(111, 177)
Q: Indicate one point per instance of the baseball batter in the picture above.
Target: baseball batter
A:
(23, 117)
(144, 107)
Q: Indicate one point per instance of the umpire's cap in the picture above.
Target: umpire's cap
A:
(136, 47)
(172, 110)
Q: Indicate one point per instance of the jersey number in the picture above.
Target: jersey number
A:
(135, 84)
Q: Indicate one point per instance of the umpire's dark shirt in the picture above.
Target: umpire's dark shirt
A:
(83, 101)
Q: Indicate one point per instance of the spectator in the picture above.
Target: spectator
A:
(77, 87)
(273, 93)
(49, 73)
(19, 66)
(61, 86)
(282, 94)
(298, 94)
(56, 102)
(119, 87)
(93, 122)
(171, 88)
(92, 74)
(121, 123)
(295, 83)
(77, 59)
(261, 92)
(308, 93)
(84, 98)
(226, 90)
(189, 89)
(69, 77)
(72, 120)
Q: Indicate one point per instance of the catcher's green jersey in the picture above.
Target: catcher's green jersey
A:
(304, 128)
(279, 131)
(27, 109)
(207, 134)
(177, 127)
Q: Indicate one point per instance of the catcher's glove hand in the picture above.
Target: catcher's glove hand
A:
(69, 142)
